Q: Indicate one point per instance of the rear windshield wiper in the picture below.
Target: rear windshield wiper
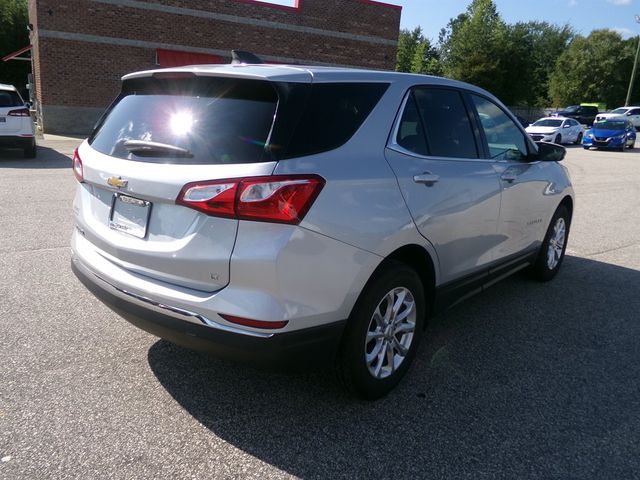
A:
(146, 148)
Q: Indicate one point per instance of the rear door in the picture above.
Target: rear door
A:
(10, 124)
(208, 129)
(453, 195)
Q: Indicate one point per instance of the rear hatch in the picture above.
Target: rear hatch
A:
(163, 132)
(12, 113)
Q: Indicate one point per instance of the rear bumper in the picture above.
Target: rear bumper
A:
(16, 141)
(314, 347)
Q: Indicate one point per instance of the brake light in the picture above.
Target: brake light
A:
(21, 112)
(77, 166)
(276, 198)
(247, 322)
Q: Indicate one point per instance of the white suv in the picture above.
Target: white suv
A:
(630, 113)
(16, 127)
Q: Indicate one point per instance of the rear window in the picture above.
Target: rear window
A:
(333, 113)
(9, 98)
(197, 120)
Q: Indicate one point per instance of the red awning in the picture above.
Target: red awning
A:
(174, 58)
(13, 55)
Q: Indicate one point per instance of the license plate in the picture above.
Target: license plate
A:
(129, 215)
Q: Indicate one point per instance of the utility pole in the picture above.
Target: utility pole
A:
(635, 67)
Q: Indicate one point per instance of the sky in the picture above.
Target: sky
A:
(583, 15)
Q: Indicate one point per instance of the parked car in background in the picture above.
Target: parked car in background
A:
(556, 129)
(585, 114)
(204, 217)
(613, 133)
(630, 113)
(16, 126)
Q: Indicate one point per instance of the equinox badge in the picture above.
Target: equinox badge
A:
(117, 182)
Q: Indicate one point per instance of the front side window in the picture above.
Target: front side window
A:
(504, 138)
(446, 123)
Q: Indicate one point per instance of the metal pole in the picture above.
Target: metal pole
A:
(635, 68)
(633, 75)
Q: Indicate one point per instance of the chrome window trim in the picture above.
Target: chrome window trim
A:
(393, 144)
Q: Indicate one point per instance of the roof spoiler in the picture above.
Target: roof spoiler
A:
(241, 56)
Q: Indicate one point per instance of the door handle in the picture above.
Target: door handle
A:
(508, 177)
(427, 178)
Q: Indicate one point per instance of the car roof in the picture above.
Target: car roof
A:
(554, 118)
(4, 86)
(306, 74)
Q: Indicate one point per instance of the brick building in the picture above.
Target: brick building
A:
(81, 48)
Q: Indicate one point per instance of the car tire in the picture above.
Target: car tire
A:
(373, 327)
(579, 139)
(558, 139)
(553, 246)
(30, 151)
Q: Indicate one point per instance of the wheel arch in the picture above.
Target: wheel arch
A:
(567, 202)
(417, 258)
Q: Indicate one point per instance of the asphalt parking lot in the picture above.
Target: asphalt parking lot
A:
(526, 380)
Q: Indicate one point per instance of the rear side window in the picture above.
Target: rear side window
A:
(333, 113)
(446, 123)
(9, 98)
(198, 120)
(411, 132)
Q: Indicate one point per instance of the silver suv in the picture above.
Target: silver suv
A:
(287, 215)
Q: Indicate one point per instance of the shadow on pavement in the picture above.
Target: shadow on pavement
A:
(524, 380)
(46, 158)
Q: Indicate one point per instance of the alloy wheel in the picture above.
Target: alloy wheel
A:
(556, 243)
(390, 333)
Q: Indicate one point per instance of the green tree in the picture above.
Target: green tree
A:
(593, 68)
(416, 54)
(533, 49)
(474, 49)
(14, 18)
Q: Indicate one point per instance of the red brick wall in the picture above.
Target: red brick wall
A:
(79, 73)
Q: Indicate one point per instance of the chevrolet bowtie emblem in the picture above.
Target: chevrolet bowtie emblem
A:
(117, 182)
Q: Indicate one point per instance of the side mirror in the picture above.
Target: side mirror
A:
(567, 126)
(27, 104)
(549, 152)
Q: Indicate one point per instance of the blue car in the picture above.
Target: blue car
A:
(614, 133)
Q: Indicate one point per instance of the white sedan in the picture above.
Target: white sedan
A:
(557, 130)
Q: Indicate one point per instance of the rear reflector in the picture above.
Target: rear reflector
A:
(77, 166)
(276, 198)
(21, 112)
(255, 323)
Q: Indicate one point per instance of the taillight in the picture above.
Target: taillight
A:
(247, 322)
(77, 166)
(277, 198)
(20, 112)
